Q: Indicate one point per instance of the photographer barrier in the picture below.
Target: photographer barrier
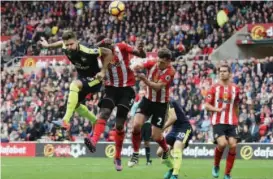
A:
(105, 149)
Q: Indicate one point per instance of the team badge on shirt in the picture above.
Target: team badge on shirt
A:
(168, 78)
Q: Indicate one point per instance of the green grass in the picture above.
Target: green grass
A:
(103, 168)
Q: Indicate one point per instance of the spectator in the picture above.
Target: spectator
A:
(245, 135)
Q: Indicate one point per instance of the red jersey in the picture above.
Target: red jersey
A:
(155, 75)
(119, 73)
(224, 97)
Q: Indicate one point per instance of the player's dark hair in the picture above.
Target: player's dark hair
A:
(164, 53)
(224, 66)
(105, 45)
(69, 35)
(100, 38)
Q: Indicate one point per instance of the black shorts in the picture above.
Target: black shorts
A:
(89, 85)
(146, 132)
(183, 134)
(158, 111)
(114, 96)
(225, 130)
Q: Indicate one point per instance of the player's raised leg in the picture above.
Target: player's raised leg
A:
(99, 128)
(72, 102)
(83, 111)
(138, 122)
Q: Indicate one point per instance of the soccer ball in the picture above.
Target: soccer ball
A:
(117, 8)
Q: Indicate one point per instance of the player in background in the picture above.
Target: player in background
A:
(146, 130)
(119, 93)
(222, 100)
(155, 103)
(177, 137)
(89, 74)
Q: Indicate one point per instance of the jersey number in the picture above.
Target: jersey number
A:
(160, 121)
(181, 135)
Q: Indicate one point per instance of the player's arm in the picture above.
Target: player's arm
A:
(141, 66)
(162, 82)
(171, 118)
(209, 102)
(107, 57)
(45, 44)
(154, 85)
(103, 42)
(211, 108)
(237, 101)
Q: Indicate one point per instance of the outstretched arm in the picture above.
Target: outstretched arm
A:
(45, 44)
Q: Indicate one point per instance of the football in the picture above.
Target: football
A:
(116, 8)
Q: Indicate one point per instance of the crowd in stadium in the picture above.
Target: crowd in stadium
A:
(180, 26)
(29, 102)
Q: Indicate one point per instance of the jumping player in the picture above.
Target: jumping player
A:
(177, 137)
(89, 74)
(155, 103)
(118, 93)
(222, 100)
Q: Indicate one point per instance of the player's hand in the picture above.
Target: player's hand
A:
(221, 109)
(137, 67)
(108, 41)
(141, 76)
(100, 76)
(43, 42)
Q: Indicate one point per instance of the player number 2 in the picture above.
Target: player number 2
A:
(160, 121)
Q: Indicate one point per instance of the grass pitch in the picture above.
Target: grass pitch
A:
(103, 168)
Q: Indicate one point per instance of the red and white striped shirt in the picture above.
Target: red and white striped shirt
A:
(119, 73)
(224, 97)
(155, 75)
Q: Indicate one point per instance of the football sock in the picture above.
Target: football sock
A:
(83, 111)
(217, 156)
(177, 161)
(147, 153)
(98, 130)
(72, 102)
(230, 160)
(162, 143)
(119, 137)
(136, 140)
